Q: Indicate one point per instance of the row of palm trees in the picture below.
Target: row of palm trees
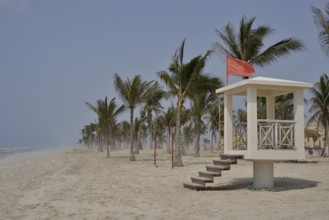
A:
(188, 84)
(184, 81)
(107, 113)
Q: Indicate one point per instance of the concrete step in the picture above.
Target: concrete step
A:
(202, 180)
(224, 162)
(194, 186)
(198, 187)
(217, 169)
(199, 183)
(208, 174)
(231, 156)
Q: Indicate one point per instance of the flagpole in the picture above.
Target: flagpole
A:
(219, 122)
(226, 71)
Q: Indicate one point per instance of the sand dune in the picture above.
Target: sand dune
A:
(81, 184)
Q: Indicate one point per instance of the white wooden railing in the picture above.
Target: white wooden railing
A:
(276, 134)
(271, 134)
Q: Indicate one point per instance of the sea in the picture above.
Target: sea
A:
(9, 151)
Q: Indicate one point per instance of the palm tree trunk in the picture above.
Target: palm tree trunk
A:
(132, 156)
(151, 139)
(100, 144)
(326, 144)
(184, 149)
(112, 144)
(212, 141)
(150, 129)
(107, 145)
(197, 142)
(149, 122)
(168, 141)
(219, 124)
(178, 162)
(107, 149)
(220, 140)
(137, 145)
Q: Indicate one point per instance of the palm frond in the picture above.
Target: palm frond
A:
(248, 43)
(229, 38)
(181, 53)
(121, 88)
(279, 50)
(322, 24)
(170, 82)
(221, 50)
(93, 108)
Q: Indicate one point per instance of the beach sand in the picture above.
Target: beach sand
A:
(82, 184)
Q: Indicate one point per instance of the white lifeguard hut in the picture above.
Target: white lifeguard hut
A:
(266, 140)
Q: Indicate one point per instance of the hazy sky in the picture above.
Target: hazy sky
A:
(55, 55)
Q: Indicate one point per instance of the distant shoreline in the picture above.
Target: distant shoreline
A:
(10, 151)
(18, 155)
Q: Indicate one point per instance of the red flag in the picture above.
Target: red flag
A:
(237, 67)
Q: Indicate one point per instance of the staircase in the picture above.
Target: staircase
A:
(199, 183)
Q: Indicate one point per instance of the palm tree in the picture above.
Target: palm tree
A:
(261, 107)
(107, 114)
(213, 121)
(188, 135)
(320, 107)
(201, 104)
(248, 43)
(133, 93)
(205, 141)
(321, 20)
(184, 79)
(152, 104)
(185, 120)
(240, 116)
(124, 129)
(137, 134)
(115, 138)
(240, 128)
(140, 131)
(100, 137)
(167, 120)
(159, 131)
(284, 107)
(88, 135)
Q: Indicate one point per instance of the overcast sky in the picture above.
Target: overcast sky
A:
(55, 55)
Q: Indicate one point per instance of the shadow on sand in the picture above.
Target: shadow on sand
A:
(280, 184)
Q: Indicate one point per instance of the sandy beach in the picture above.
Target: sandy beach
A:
(82, 184)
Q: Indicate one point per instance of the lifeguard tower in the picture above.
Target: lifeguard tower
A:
(266, 140)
